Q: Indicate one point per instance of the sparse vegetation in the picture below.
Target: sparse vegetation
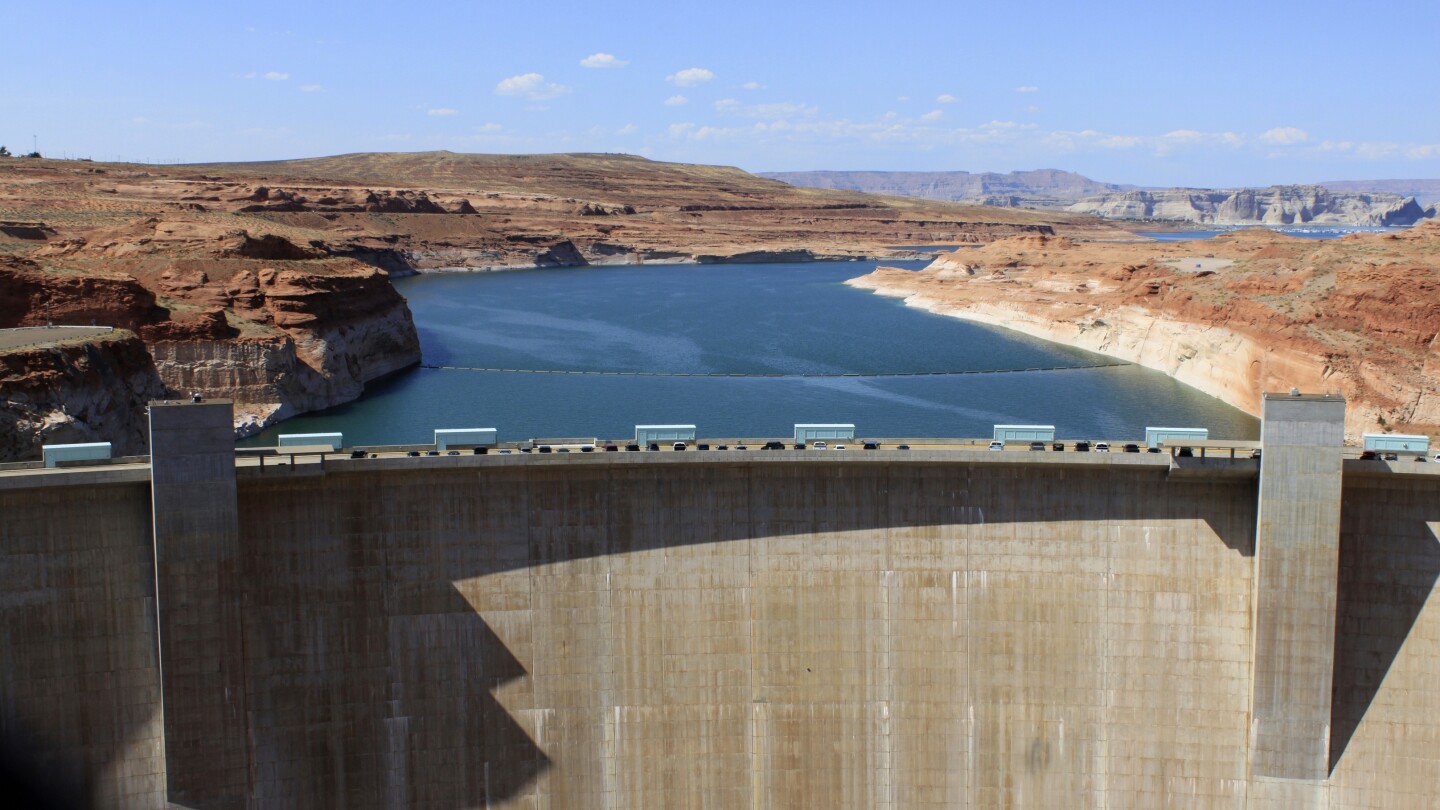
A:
(5, 151)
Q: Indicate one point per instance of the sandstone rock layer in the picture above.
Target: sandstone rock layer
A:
(1357, 316)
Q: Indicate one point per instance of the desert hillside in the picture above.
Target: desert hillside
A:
(1234, 316)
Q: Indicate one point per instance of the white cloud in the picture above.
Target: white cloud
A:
(489, 127)
(441, 111)
(752, 86)
(530, 85)
(310, 88)
(602, 60)
(1027, 88)
(277, 76)
(933, 115)
(945, 98)
(1120, 142)
(778, 111)
(676, 101)
(628, 129)
(902, 99)
(690, 76)
(1284, 136)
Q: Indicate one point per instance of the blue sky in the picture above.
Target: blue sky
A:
(1211, 94)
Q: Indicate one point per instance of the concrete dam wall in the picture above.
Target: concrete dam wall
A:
(771, 630)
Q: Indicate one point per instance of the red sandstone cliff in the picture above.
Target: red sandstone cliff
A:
(279, 337)
(76, 391)
(1234, 316)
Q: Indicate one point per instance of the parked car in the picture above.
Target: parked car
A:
(1102, 447)
(1082, 447)
(678, 446)
(1132, 448)
(872, 445)
(819, 445)
(997, 446)
(1058, 447)
(774, 445)
(839, 447)
(1037, 446)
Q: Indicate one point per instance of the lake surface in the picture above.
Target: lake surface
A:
(1303, 231)
(756, 319)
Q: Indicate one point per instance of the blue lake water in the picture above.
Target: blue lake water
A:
(1303, 231)
(763, 319)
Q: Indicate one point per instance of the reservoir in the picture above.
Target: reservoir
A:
(772, 323)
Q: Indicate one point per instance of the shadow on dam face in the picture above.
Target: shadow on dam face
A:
(1389, 564)
(371, 668)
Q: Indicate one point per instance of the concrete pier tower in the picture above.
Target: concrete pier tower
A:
(1297, 550)
(197, 583)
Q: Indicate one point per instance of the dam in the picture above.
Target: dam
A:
(783, 629)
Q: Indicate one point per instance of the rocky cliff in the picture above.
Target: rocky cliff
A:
(1051, 189)
(1276, 205)
(279, 337)
(84, 390)
(1245, 313)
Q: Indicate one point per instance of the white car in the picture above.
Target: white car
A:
(818, 445)
(1102, 447)
(997, 446)
(839, 447)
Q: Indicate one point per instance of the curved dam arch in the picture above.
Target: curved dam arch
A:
(764, 630)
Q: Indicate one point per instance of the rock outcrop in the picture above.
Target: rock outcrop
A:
(1254, 311)
(91, 390)
(1050, 189)
(279, 337)
(1276, 205)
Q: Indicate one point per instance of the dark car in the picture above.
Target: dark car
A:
(774, 445)
(1058, 447)
(1082, 447)
(1369, 455)
(632, 448)
(1132, 448)
(872, 445)
(1037, 446)
(611, 448)
(902, 447)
